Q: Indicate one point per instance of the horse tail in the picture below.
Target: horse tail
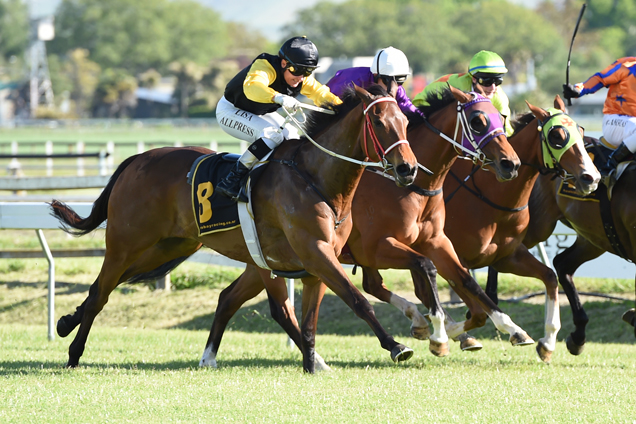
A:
(72, 223)
(159, 272)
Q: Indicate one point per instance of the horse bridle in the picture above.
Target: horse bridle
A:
(554, 164)
(368, 126)
(467, 132)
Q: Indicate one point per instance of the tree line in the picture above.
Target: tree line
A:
(105, 49)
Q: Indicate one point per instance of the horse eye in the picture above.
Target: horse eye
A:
(558, 137)
(479, 122)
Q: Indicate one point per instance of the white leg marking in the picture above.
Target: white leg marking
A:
(439, 331)
(454, 329)
(409, 310)
(320, 364)
(208, 359)
(504, 323)
(552, 323)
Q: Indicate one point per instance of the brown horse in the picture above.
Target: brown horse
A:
(547, 207)
(302, 207)
(487, 221)
(396, 228)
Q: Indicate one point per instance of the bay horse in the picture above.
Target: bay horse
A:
(396, 228)
(547, 207)
(301, 204)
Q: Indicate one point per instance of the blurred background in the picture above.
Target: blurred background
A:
(139, 59)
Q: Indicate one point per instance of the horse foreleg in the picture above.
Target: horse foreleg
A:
(392, 254)
(324, 264)
(566, 263)
(373, 284)
(449, 267)
(247, 286)
(313, 293)
(466, 341)
(523, 263)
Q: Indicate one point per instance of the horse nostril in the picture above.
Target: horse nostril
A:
(405, 170)
(508, 165)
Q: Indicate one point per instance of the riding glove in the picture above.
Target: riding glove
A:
(287, 102)
(570, 91)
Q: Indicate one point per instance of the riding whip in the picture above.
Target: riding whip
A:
(576, 28)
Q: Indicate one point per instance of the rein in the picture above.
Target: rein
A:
(478, 155)
(367, 127)
(294, 165)
(478, 194)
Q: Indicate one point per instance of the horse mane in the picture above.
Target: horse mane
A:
(522, 121)
(436, 101)
(318, 121)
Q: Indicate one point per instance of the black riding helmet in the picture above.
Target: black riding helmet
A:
(300, 52)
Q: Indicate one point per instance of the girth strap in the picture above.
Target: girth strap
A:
(609, 227)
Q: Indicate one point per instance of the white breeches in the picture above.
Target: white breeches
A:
(619, 129)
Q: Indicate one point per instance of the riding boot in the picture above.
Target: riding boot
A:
(618, 155)
(231, 185)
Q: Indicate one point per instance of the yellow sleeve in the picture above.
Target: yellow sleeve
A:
(318, 93)
(256, 85)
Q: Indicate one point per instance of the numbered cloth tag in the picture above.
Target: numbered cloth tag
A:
(213, 212)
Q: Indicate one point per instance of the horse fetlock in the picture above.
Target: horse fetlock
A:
(454, 329)
(64, 327)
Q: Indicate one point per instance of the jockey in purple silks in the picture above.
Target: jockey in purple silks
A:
(390, 68)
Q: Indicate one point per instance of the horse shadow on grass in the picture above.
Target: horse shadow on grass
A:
(337, 319)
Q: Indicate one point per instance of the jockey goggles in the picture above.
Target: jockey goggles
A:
(298, 70)
(488, 81)
(399, 79)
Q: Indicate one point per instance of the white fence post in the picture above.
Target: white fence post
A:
(140, 147)
(14, 167)
(48, 148)
(80, 161)
(110, 159)
(290, 294)
(214, 145)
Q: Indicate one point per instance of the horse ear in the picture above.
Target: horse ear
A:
(479, 90)
(459, 95)
(558, 103)
(539, 113)
(363, 94)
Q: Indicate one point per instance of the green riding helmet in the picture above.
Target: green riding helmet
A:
(486, 62)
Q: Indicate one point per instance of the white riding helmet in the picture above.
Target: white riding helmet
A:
(391, 62)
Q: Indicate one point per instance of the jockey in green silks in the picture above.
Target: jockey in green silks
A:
(485, 70)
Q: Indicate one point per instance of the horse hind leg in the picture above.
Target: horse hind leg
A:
(68, 323)
(118, 267)
(247, 286)
(372, 283)
(566, 263)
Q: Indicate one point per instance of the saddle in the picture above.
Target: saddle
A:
(213, 211)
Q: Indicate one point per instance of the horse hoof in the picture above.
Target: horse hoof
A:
(521, 339)
(628, 317)
(420, 333)
(573, 348)
(62, 328)
(401, 353)
(438, 349)
(72, 364)
(320, 364)
(470, 344)
(544, 353)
